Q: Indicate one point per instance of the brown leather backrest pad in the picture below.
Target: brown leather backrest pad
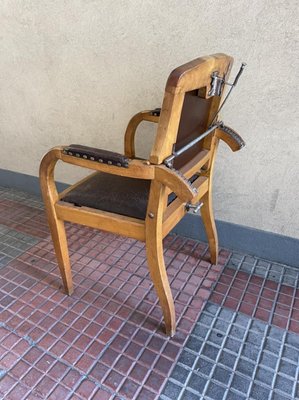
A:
(193, 122)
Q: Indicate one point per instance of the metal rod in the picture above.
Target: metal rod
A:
(169, 159)
(232, 85)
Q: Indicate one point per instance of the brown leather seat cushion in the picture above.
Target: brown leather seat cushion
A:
(113, 193)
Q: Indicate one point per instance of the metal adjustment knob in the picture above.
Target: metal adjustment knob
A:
(195, 207)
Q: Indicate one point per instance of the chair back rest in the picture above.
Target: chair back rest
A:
(187, 108)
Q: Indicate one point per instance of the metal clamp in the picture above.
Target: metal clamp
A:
(195, 207)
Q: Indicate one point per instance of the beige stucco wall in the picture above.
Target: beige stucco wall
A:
(75, 71)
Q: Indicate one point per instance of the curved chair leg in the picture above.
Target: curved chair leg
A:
(155, 258)
(210, 227)
(56, 225)
(61, 250)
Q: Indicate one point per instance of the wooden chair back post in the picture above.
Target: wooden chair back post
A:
(187, 107)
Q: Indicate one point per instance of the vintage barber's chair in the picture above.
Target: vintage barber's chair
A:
(145, 199)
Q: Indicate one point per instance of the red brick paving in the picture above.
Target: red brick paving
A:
(107, 337)
(106, 340)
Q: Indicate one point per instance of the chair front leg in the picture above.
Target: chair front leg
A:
(155, 258)
(57, 229)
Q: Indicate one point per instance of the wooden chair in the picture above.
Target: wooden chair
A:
(145, 199)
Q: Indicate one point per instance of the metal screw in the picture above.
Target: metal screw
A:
(151, 215)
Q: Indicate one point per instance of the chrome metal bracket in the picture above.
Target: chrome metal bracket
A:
(194, 207)
(216, 84)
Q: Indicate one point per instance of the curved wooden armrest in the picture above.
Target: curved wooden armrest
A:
(135, 169)
(176, 182)
(148, 115)
(230, 137)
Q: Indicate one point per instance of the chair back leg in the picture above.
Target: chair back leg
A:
(210, 227)
(155, 258)
(207, 208)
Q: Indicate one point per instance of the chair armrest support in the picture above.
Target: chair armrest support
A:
(230, 137)
(148, 115)
(176, 182)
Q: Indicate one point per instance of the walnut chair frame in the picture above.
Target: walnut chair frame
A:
(161, 216)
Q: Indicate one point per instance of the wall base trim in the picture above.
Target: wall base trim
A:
(268, 245)
(27, 183)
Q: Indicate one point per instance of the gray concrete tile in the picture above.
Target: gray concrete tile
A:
(259, 392)
(272, 346)
(221, 325)
(222, 375)
(237, 332)
(291, 354)
(188, 395)
(216, 337)
(264, 375)
(243, 363)
(231, 395)
(13, 244)
(172, 390)
(240, 383)
(275, 333)
(292, 340)
(284, 384)
(215, 391)
(268, 360)
(227, 359)
(210, 351)
(197, 383)
(204, 366)
(194, 343)
(288, 369)
(233, 345)
(200, 331)
(187, 358)
(180, 374)
(212, 309)
(245, 367)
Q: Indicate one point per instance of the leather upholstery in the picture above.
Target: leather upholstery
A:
(113, 193)
(98, 155)
(193, 122)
